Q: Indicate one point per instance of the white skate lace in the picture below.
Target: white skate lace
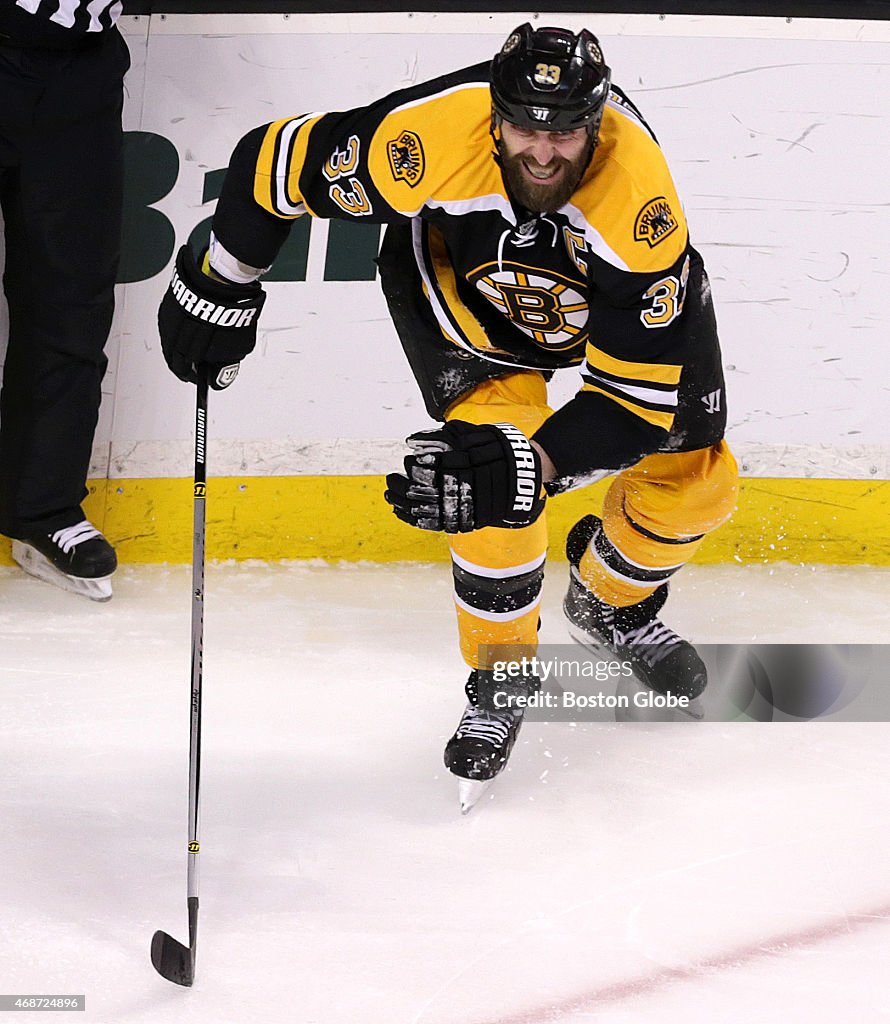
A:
(482, 725)
(71, 536)
(654, 640)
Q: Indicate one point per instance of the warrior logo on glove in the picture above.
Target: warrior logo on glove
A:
(463, 477)
(528, 472)
(204, 309)
(204, 321)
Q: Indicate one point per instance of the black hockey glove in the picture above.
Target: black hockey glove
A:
(462, 477)
(202, 320)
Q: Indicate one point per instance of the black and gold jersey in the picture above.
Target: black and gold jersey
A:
(601, 282)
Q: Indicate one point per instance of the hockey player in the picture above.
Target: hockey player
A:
(62, 67)
(533, 225)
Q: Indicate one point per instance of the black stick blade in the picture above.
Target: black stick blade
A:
(172, 960)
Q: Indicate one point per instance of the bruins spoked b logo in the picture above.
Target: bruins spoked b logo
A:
(406, 159)
(655, 222)
(549, 308)
(511, 44)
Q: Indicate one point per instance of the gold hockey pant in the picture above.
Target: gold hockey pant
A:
(655, 516)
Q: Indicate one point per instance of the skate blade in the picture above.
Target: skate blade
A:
(470, 792)
(41, 568)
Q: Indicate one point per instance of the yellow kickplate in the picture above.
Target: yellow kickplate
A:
(841, 522)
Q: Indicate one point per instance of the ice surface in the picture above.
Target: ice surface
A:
(616, 873)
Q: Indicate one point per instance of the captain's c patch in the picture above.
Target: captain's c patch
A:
(406, 159)
(655, 222)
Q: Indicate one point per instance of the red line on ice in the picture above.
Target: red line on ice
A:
(646, 984)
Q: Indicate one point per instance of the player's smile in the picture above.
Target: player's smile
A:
(542, 169)
(541, 175)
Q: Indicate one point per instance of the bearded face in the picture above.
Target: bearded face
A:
(543, 169)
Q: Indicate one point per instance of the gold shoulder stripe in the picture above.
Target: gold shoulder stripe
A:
(437, 147)
(628, 197)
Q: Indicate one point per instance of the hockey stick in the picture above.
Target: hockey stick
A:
(171, 958)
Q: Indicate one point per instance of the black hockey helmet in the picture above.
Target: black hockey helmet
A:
(550, 79)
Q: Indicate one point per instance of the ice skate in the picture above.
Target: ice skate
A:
(659, 657)
(76, 558)
(470, 792)
(480, 747)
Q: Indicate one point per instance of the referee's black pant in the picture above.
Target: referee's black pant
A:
(61, 187)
